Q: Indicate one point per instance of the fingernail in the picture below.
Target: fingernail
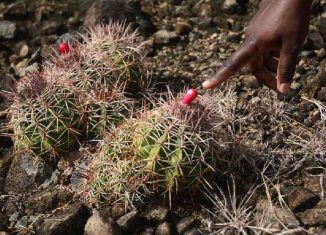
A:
(284, 88)
(205, 84)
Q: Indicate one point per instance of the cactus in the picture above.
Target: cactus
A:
(168, 149)
(46, 120)
(108, 57)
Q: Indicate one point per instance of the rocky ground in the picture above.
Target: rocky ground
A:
(274, 183)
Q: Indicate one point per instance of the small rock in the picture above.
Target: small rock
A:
(315, 216)
(299, 198)
(182, 28)
(229, 4)
(164, 36)
(5, 161)
(316, 40)
(277, 216)
(99, 225)
(156, 213)
(250, 81)
(321, 231)
(3, 222)
(50, 27)
(205, 23)
(108, 10)
(164, 229)
(48, 199)
(24, 51)
(26, 173)
(68, 220)
(295, 85)
(185, 224)
(182, 11)
(7, 29)
(131, 221)
(22, 67)
(194, 231)
(118, 210)
(234, 37)
(321, 95)
(148, 231)
(316, 184)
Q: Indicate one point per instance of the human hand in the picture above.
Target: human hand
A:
(273, 40)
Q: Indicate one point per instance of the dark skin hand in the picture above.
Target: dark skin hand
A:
(273, 40)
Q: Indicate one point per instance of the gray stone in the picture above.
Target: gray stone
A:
(299, 198)
(26, 173)
(287, 217)
(277, 216)
(316, 40)
(316, 184)
(229, 4)
(69, 220)
(250, 81)
(315, 216)
(156, 213)
(100, 225)
(7, 29)
(185, 224)
(164, 36)
(148, 231)
(164, 229)
(49, 199)
(194, 231)
(182, 27)
(321, 95)
(107, 10)
(5, 161)
(131, 221)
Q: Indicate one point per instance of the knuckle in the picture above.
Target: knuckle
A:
(286, 73)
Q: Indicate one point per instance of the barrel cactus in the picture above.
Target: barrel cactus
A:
(169, 149)
(107, 57)
(46, 120)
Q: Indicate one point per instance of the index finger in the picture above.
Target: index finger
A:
(230, 67)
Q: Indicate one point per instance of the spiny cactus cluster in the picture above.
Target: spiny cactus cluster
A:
(168, 149)
(78, 95)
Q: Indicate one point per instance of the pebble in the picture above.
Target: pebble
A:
(185, 224)
(164, 229)
(100, 225)
(321, 95)
(7, 29)
(250, 81)
(164, 36)
(24, 51)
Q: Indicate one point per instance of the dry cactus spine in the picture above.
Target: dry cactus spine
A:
(46, 120)
(169, 149)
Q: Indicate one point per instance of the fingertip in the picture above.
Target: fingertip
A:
(284, 88)
(206, 84)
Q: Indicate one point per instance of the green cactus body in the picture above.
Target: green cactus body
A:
(173, 154)
(103, 115)
(49, 124)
